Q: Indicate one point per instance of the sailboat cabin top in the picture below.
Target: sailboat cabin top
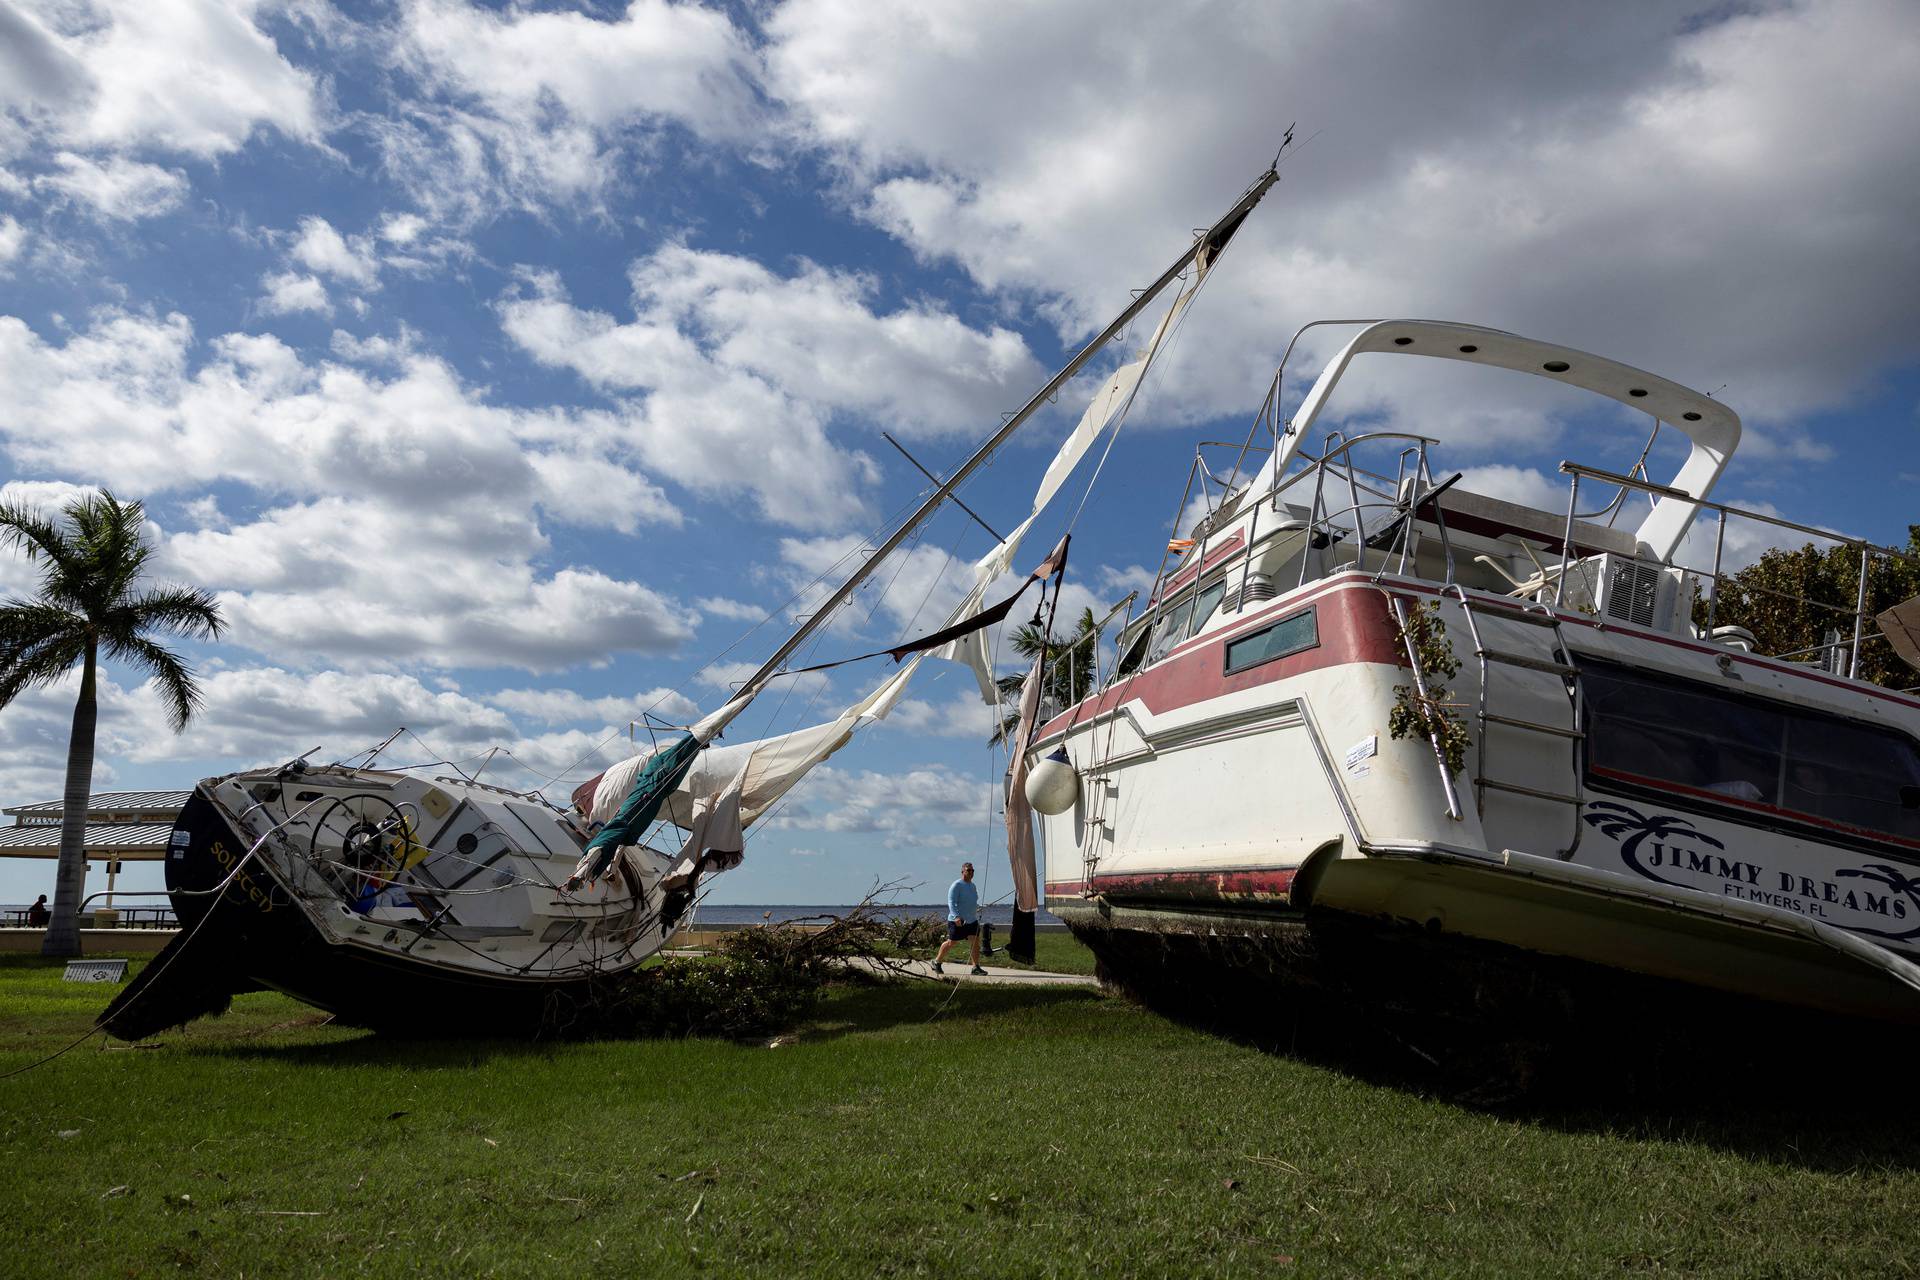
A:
(1374, 503)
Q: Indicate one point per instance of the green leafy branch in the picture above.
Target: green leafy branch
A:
(1432, 716)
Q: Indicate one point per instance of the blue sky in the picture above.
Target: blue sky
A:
(501, 365)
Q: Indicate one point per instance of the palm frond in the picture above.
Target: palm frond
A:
(174, 679)
(177, 610)
(34, 662)
(29, 531)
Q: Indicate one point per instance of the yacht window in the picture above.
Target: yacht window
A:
(1289, 635)
(1171, 630)
(1133, 648)
(1721, 747)
(1204, 606)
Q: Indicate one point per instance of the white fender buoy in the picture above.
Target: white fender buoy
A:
(1053, 786)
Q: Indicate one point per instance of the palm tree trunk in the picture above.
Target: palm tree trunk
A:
(70, 884)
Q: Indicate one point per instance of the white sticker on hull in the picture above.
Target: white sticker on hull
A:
(1360, 752)
(1874, 899)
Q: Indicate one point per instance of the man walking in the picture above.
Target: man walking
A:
(963, 918)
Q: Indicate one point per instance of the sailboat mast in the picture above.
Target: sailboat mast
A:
(1213, 238)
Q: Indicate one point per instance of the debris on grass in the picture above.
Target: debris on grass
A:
(757, 983)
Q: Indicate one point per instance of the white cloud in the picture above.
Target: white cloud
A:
(1621, 192)
(288, 292)
(565, 706)
(917, 592)
(915, 807)
(533, 108)
(322, 249)
(739, 611)
(402, 228)
(115, 188)
(727, 676)
(12, 237)
(194, 77)
(730, 361)
(400, 516)
(962, 715)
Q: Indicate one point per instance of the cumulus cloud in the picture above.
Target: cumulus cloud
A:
(288, 292)
(737, 610)
(116, 189)
(1622, 192)
(192, 77)
(726, 360)
(915, 807)
(408, 521)
(12, 237)
(322, 249)
(566, 706)
(535, 108)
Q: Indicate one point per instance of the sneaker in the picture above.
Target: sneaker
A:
(937, 968)
(978, 972)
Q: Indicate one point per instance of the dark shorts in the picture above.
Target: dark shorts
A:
(957, 931)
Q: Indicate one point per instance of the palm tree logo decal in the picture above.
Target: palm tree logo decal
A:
(1895, 880)
(1630, 829)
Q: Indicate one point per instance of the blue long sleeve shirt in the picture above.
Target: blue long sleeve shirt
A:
(963, 902)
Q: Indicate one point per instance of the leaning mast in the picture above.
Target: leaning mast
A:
(1209, 242)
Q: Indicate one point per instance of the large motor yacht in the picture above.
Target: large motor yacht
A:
(1610, 776)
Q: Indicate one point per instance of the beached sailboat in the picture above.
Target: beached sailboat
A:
(424, 900)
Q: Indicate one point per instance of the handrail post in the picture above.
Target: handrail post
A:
(1859, 615)
(1566, 544)
(1719, 543)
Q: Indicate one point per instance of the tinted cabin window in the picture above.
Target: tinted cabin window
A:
(1723, 747)
(1171, 629)
(1289, 635)
(1133, 650)
(1203, 607)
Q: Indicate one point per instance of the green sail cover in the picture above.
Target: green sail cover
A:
(650, 790)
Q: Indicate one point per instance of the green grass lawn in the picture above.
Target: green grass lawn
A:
(912, 1129)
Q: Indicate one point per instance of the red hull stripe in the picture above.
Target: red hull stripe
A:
(1185, 886)
(1354, 626)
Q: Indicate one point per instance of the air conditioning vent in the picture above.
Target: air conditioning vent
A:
(1633, 591)
(1625, 590)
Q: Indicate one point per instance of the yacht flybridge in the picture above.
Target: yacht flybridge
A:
(1362, 694)
(1608, 777)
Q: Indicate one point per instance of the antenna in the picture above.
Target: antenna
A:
(1285, 142)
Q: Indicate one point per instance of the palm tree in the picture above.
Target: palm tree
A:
(1068, 674)
(92, 602)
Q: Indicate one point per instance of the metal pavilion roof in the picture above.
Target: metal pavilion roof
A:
(108, 806)
(121, 841)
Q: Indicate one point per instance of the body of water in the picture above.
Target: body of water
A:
(1001, 915)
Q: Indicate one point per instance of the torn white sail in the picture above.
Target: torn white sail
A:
(1108, 406)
